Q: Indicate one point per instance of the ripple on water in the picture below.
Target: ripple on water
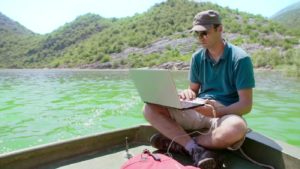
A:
(43, 106)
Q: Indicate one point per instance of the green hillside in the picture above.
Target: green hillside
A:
(94, 40)
(170, 19)
(54, 44)
(289, 17)
(10, 27)
(15, 41)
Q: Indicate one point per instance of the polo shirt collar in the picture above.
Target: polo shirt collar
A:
(222, 56)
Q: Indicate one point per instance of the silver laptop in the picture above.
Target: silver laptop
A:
(156, 86)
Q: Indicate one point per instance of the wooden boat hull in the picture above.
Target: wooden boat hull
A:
(107, 150)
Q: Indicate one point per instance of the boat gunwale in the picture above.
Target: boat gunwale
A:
(287, 156)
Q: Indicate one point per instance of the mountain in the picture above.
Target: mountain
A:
(289, 17)
(154, 37)
(54, 44)
(14, 42)
(9, 26)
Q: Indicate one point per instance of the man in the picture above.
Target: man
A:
(222, 74)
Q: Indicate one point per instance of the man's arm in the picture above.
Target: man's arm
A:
(243, 106)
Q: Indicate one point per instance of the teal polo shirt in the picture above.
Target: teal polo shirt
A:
(221, 80)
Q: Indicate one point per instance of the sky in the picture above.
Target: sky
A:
(44, 16)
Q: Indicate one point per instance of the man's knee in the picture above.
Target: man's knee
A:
(151, 111)
(238, 126)
(148, 112)
(235, 123)
(232, 129)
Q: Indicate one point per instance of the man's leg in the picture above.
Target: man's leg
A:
(159, 117)
(230, 129)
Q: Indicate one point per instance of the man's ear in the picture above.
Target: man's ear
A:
(220, 29)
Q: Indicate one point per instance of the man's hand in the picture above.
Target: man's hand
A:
(214, 103)
(210, 109)
(187, 94)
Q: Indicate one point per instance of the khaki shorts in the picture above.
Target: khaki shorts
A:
(192, 120)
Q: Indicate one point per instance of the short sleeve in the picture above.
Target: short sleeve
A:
(194, 71)
(244, 75)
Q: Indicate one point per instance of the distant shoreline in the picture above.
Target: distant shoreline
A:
(119, 70)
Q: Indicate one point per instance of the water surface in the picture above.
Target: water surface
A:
(43, 106)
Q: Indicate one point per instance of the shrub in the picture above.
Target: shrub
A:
(106, 58)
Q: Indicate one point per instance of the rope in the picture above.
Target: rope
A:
(214, 125)
(253, 161)
(213, 110)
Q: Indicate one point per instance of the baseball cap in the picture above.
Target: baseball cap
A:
(205, 19)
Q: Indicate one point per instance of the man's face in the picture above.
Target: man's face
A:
(209, 38)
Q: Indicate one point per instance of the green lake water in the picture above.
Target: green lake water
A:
(43, 106)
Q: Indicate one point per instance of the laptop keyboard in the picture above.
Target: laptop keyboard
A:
(188, 104)
(191, 103)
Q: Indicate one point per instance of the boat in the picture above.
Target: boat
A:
(109, 150)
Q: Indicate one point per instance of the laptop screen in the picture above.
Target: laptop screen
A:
(156, 86)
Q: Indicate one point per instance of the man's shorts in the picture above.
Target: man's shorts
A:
(192, 120)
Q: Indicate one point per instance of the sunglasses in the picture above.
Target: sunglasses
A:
(198, 34)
